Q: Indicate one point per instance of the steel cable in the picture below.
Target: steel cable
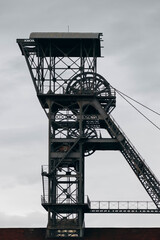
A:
(124, 96)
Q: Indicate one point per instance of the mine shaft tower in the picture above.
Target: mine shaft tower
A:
(78, 102)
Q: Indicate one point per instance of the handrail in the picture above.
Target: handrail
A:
(122, 205)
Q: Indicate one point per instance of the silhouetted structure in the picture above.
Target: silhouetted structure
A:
(78, 102)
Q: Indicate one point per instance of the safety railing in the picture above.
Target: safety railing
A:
(64, 200)
(122, 205)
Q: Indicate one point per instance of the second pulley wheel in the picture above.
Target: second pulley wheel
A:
(88, 133)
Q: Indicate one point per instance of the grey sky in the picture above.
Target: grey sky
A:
(131, 34)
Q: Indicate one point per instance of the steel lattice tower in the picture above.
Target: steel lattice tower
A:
(78, 102)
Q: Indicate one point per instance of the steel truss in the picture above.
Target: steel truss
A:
(78, 103)
(52, 74)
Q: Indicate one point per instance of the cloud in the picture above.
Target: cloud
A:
(122, 220)
(39, 219)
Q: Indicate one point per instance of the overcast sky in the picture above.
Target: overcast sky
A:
(131, 34)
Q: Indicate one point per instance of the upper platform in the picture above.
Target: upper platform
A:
(69, 44)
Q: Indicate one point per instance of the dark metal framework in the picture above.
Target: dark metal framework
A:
(78, 103)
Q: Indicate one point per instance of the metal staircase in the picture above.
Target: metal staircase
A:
(136, 162)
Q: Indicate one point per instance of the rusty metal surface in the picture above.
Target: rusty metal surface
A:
(122, 234)
(90, 234)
